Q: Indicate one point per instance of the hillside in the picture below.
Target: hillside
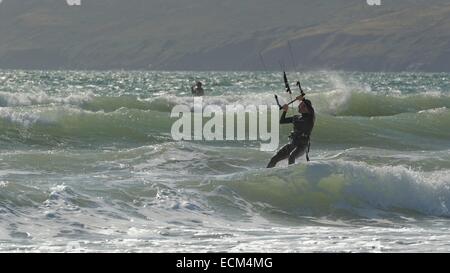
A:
(225, 34)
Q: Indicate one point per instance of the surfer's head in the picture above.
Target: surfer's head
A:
(305, 107)
(199, 84)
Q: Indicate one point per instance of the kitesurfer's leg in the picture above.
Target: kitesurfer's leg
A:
(282, 154)
(298, 151)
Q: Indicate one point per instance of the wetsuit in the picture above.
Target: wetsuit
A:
(197, 91)
(299, 144)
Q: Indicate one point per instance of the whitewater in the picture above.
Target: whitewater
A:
(88, 164)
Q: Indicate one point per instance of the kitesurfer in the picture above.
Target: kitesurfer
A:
(197, 89)
(300, 137)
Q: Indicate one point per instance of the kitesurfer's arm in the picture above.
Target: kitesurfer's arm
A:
(284, 119)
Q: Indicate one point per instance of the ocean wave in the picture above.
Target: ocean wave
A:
(190, 177)
(427, 129)
(54, 125)
(368, 104)
(338, 102)
(340, 188)
(8, 99)
(424, 130)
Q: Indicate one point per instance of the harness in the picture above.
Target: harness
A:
(307, 151)
(302, 138)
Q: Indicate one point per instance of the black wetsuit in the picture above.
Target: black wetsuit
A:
(197, 91)
(299, 144)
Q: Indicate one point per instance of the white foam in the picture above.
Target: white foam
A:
(439, 110)
(223, 100)
(26, 119)
(398, 187)
(40, 98)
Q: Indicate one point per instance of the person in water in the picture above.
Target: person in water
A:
(197, 89)
(303, 126)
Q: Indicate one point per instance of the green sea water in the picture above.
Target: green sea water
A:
(88, 163)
